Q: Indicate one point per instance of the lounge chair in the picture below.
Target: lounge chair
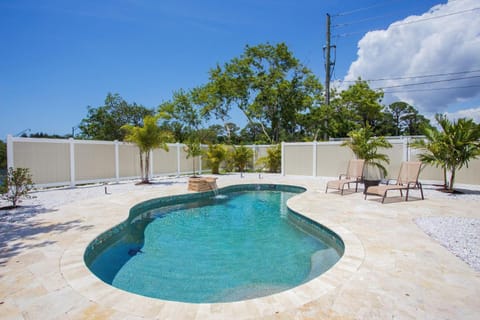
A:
(354, 175)
(407, 180)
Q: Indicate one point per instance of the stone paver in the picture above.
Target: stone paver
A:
(390, 270)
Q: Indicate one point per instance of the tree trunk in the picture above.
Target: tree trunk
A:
(445, 181)
(141, 165)
(452, 180)
(194, 171)
(147, 167)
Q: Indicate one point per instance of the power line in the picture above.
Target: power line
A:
(432, 89)
(394, 25)
(346, 13)
(436, 17)
(341, 25)
(427, 82)
(417, 76)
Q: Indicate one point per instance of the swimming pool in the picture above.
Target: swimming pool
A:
(200, 248)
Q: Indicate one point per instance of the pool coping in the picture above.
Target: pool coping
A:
(83, 281)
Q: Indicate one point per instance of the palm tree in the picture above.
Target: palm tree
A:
(452, 148)
(216, 153)
(365, 146)
(434, 150)
(241, 156)
(147, 138)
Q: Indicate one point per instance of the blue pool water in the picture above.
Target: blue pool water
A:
(242, 245)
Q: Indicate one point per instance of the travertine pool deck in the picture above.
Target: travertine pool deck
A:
(391, 269)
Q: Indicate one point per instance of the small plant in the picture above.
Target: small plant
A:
(241, 156)
(229, 162)
(18, 183)
(193, 150)
(216, 153)
(273, 159)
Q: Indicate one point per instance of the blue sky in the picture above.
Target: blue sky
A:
(58, 57)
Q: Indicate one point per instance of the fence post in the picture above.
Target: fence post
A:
(314, 164)
(254, 150)
(178, 159)
(283, 159)
(406, 149)
(10, 162)
(117, 162)
(72, 162)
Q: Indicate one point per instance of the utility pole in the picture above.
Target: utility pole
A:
(327, 64)
(328, 71)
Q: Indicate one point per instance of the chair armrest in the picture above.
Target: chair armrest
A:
(413, 184)
(388, 181)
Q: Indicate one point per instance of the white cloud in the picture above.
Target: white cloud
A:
(473, 113)
(437, 45)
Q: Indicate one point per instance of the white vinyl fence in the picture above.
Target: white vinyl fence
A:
(329, 159)
(69, 162)
(60, 162)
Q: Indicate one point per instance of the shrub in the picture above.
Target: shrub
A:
(229, 162)
(273, 159)
(216, 154)
(17, 184)
(241, 157)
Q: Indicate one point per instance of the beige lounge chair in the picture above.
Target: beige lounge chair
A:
(407, 180)
(354, 175)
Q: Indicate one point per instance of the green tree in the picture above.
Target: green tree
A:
(363, 103)
(452, 148)
(216, 153)
(319, 123)
(400, 118)
(106, 122)
(182, 114)
(267, 84)
(147, 137)
(414, 122)
(399, 110)
(365, 146)
(17, 185)
(252, 133)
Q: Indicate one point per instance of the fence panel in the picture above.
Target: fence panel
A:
(129, 161)
(165, 162)
(94, 161)
(55, 162)
(332, 159)
(298, 159)
(49, 163)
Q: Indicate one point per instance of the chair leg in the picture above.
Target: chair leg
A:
(384, 196)
(406, 198)
(421, 190)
